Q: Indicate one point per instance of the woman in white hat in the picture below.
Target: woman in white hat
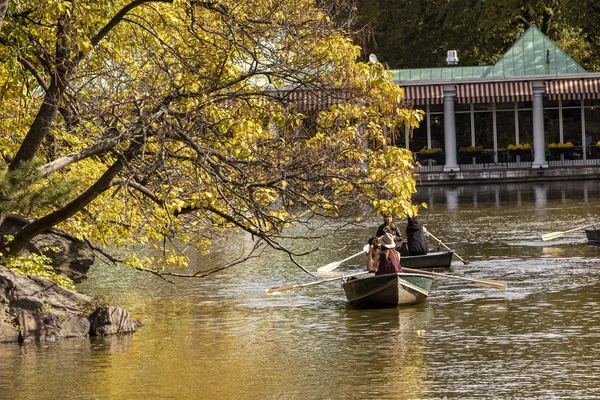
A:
(383, 257)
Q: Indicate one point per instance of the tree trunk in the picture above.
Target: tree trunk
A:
(36, 134)
(39, 128)
(36, 227)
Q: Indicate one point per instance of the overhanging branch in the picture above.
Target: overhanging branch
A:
(60, 163)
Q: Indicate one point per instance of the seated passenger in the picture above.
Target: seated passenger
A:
(383, 257)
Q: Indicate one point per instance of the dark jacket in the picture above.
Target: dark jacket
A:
(415, 236)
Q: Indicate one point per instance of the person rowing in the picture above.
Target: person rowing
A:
(416, 241)
(390, 227)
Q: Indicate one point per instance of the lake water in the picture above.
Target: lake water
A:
(224, 338)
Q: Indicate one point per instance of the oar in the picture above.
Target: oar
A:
(334, 265)
(289, 288)
(442, 243)
(483, 282)
(554, 235)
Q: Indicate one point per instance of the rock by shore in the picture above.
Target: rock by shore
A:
(37, 309)
(74, 258)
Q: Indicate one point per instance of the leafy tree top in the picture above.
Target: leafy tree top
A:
(149, 122)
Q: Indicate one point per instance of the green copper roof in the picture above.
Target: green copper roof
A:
(439, 73)
(532, 54)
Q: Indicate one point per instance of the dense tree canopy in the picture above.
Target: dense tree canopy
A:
(418, 33)
(143, 121)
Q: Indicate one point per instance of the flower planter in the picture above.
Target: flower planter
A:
(559, 150)
(466, 155)
(519, 152)
(424, 157)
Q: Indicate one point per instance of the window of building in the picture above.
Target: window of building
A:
(592, 120)
(419, 137)
(505, 127)
(525, 126)
(572, 125)
(463, 129)
(484, 133)
(551, 126)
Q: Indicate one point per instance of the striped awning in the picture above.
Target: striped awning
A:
(319, 100)
(419, 95)
(315, 100)
(494, 92)
(575, 89)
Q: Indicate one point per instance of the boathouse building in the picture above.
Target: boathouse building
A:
(534, 113)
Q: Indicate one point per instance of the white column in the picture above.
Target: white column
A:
(517, 123)
(583, 138)
(539, 143)
(450, 128)
(561, 132)
(473, 143)
(495, 132)
(428, 119)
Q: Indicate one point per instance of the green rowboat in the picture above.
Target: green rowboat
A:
(593, 236)
(441, 259)
(389, 290)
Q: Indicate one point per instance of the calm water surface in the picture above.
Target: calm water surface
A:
(223, 338)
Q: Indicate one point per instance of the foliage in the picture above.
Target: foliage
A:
(471, 149)
(520, 146)
(169, 123)
(426, 150)
(25, 188)
(560, 145)
(597, 144)
(36, 265)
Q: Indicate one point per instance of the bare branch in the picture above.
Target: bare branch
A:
(60, 163)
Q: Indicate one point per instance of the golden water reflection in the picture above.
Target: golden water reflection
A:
(223, 338)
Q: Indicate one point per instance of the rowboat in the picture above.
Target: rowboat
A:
(593, 236)
(440, 259)
(389, 290)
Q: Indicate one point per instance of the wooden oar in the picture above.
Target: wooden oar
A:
(442, 243)
(334, 265)
(483, 282)
(554, 235)
(289, 288)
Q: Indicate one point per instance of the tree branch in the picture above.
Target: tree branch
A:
(60, 163)
(34, 228)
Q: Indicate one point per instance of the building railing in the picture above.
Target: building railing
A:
(511, 159)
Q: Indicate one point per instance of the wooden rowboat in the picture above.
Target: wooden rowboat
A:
(389, 290)
(593, 236)
(441, 259)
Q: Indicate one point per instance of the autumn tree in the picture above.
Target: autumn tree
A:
(151, 121)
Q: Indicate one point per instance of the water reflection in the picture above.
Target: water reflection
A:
(223, 338)
(452, 199)
(498, 194)
(540, 196)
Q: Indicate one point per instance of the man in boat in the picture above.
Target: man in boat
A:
(383, 257)
(416, 241)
